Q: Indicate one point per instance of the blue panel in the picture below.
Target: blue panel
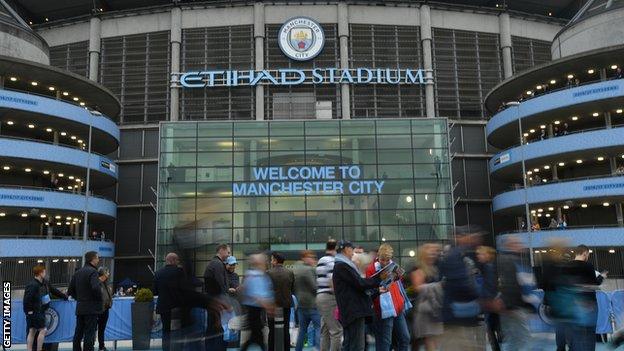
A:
(596, 237)
(556, 100)
(54, 153)
(54, 248)
(32, 198)
(57, 108)
(579, 189)
(573, 142)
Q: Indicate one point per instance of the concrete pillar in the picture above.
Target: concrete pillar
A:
(613, 165)
(425, 38)
(559, 214)
(504, 28)
(551, 131)
(619, 215)
(176, 40)
(95, 36)
(555, 171)
(259, 34)
(343, 35)
(607, 117)
(55, 136)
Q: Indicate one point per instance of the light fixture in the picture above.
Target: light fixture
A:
(552, 81)
(584, 205)
(27, 170)
(408, 199)
(61, 188)
(49, 130)
(557, 122)
(540, 210)
(51, 88)
(63, 133)
(529, 172)
(590, 71)
(529, 92)
(65, 93)
(536, 251)
(24, 214)
(622, 156)
(55, 260)
(532, 131)
(34, 84)
(613, 66)
(605, 204)
(579, 161)
(67, 223)
(539, 214)
(565, 207)
(539, 87)
(2, 214)
(59, 223)
(75, 98)
(561, 164)
(10, 123)
(533, 211)
(82, 104)
(61, 175)
(543, 126)
(70, 187)
(536, 170)
(43, 215)
(57, 217)
(619, 110)
(551, 209)
(31, 126)
(77, 179)
(71, 177)
(611, 251)
(548, 215)
(80, 141)
(526, 134)
(46, 172)
(20, 261)
(574, 118)
(73, 137)
(595, 114)
(412, 253)
(547, 167)
(13, 79)
(570, 76)
(544, 180)
(68, 218)
(6, 168)
(600, 158)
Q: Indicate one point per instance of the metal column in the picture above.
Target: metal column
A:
(175, 41)
(425, 38)
(259, 55)
(95, 38)
(504, 28)
(343, 34)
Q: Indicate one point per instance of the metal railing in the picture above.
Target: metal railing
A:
(26, 187)
(52, 237)
(557, 181)
(574, 227)
(4, 136)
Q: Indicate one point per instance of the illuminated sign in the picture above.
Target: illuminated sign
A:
(307, 180)
(290, 76)
(301, 38)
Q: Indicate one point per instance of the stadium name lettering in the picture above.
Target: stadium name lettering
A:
(290, 76)
(307, 181)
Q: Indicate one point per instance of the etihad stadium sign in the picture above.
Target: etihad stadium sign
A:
(301, 39)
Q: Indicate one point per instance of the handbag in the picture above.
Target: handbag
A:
(387, 305)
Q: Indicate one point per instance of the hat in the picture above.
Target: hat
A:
(342, 244)
(231, 260)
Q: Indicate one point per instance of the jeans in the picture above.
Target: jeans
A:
(331, 329)
(101, 328)
(580, 338)
(86, 327)
(354, 336)
(384, 330)
(307, 315)
(515, 330)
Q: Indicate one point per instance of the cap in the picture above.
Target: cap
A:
(231, 260)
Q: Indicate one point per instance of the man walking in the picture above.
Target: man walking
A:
(85, 288)
(283, 281)
(216, 286)
(331, 330)
(305, 291)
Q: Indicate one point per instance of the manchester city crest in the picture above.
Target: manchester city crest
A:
(51, 320)
(301, 38)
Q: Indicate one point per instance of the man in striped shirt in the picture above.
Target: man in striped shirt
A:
(331, 330)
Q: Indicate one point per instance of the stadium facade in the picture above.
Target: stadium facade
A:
(233, 64)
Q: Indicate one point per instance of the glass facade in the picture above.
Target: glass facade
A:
(363, 180)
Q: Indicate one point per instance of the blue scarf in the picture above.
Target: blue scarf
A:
(345, 259)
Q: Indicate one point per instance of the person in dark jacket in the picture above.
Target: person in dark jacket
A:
(233, 278)
(283, 281)
(85, 288)
(107, 304)
(460, 306)
(216, 286)
(353, 297)
(489, 291)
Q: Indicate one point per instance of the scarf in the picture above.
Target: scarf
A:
(345, 259)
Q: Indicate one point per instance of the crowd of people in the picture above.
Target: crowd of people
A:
(463, 296)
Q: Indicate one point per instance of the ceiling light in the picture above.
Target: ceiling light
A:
(13, 79)
(547, 167)
(408, 199)
(63, 133)
(565, 207)
(532, 131)
(536, 170)
(6, 168)
(80, 141)
(526, 134)
(67, 223)
(24, 214)
(71, 177)
(539, 87)
(61, 175)
(82, 104)
(73, 137)
(59, 223)
(584, 205)
(611, 251)
(46, 172)
(65, 93)
(540, 210)
(619, 110)
(574, 118)
(605, 204)
(529, 92)
(57, 217)
(551, 209)
(530, 172)
(43, 216)
(77, 179)
(51, 88)
(552, 81)
(590, 71)
(600, 158)
(539, 214)
(2, 214)
(561, 164)
(61, 188)
(543, 126)
(49, 130)
(613, 66)
(10, 123)
(31, 126)
(75, 98)
(570, 76)
(34, 84)
(533, 211)
(595, 114)
(27, 169)
(579, 161)
(548, 215)
(68, 218)
(557, 122)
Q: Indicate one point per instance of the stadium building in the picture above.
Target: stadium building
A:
(278, 124)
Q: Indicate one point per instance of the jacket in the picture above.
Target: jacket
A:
(107, 296)
(459, 285)
(169, 284)
(32, 296)
(85, 288)
(215, 278)
(305, 285)
(510, 289)
(353, 293)
(283, 281)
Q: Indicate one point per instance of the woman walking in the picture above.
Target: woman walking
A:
(427, 311)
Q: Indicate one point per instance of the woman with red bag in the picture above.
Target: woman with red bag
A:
(391, 305)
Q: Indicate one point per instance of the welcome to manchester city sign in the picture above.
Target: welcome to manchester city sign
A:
(300, 39)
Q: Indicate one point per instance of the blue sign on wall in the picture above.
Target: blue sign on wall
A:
(307, 180)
